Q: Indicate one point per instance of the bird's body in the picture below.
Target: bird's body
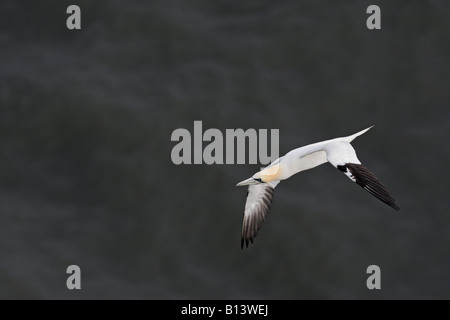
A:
(338, 152)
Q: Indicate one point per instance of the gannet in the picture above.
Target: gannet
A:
(338, 152)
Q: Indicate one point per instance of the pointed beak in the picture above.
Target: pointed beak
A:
(247, 182)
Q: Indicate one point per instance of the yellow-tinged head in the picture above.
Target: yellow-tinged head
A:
(264, 176)
(270, 173)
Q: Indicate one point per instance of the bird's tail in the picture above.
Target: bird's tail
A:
(353, 136)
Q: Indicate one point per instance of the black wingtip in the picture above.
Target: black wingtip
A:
(366, 179)
(246, 242)
(396, 207)
(393, 205)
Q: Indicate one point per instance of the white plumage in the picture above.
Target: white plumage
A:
(338, 152)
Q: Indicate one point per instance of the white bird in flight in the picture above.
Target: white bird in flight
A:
(337, 151)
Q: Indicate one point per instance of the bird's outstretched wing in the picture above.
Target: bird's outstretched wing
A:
(366, 179)
(342, 156)
(259, 200)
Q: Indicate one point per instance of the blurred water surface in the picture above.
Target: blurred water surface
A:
(86, 176)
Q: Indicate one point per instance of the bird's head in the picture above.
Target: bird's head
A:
(266, 175)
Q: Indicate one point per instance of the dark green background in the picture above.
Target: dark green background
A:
(86, 176)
